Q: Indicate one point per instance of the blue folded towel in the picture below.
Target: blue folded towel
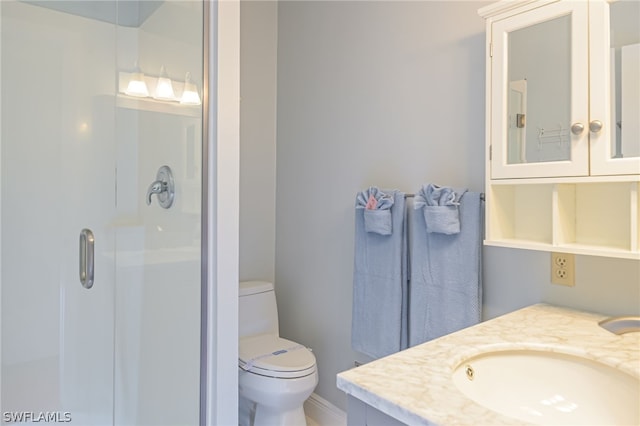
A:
(445, 292)
(380, 279)
(440, 208)
(377, 210)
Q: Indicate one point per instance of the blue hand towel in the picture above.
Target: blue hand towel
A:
(445, 292)
(377, 210)
(440, 208)
(380, 282)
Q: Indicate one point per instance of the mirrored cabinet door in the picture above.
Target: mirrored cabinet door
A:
(565, 82)
(540, 93)
(615, 60)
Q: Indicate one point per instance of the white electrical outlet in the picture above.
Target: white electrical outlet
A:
(562, 269)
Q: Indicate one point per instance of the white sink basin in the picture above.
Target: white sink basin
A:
(550, 388)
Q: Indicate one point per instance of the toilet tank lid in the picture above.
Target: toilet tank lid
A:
(253, 287)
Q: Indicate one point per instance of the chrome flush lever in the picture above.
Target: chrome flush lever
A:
(163, 187)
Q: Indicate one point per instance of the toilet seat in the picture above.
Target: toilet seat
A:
(272, 356)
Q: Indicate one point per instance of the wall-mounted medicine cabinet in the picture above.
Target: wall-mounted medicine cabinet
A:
(563, 131)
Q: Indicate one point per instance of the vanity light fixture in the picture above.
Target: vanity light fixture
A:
(190, 93)
(137, 86)
(164, 88)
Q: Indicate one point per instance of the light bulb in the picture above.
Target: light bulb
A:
(164, 88)
(137, 87)
(190, 93)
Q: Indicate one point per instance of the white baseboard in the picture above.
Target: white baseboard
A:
(323, 412)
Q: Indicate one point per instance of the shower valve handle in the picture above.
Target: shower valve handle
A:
(163, 187)
(157, 187)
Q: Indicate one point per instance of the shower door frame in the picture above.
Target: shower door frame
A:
(220, 215)
(1, 410)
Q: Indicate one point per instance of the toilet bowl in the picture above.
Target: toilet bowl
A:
(275, 375)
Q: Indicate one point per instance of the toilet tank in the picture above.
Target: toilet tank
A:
(257, 309)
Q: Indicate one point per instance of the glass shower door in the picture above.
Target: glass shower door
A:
(57, 177)
(79, 152)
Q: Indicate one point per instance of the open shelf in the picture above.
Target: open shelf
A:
(595, 218)
(594, 214)
(521, 213)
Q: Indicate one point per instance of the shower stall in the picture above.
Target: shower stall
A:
(109, 223)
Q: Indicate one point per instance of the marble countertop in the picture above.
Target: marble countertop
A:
(416, 387)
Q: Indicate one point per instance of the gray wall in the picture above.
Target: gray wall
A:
(376, 93)
(258, 44)
(389, 94)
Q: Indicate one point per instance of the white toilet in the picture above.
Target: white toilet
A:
(276, 375)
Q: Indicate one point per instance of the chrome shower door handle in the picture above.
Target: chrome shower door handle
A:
(86, 260)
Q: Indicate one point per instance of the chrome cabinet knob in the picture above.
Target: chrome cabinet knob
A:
(577, 128)
(595, 126)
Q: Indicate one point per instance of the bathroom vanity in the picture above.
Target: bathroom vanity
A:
(444, 381)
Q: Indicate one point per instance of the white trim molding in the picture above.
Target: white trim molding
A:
(323, 412)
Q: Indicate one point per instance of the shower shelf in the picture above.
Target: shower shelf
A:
(152, 105)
